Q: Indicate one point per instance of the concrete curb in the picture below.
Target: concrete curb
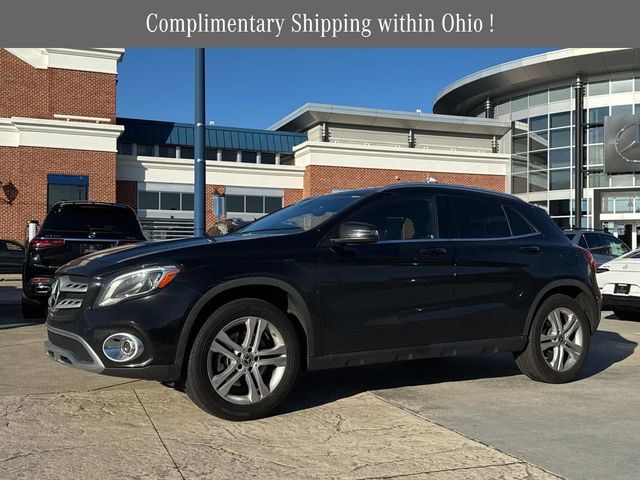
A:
(10, 277)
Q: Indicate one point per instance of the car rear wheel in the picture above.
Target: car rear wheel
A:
(559, 342)
(244, 360)
(29, 310)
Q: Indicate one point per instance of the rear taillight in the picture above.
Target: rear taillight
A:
(42, 243)
(602, 269)
(590, 260)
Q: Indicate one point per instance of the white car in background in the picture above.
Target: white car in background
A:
(619, 281)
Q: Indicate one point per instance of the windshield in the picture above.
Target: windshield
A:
(303, 216)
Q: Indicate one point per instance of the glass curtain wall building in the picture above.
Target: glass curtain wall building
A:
(536, 95)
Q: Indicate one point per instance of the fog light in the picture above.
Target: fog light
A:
(122, 347)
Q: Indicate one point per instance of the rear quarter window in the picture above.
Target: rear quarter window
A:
(519, 224)
(477, 218)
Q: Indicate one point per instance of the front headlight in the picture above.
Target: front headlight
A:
(136, 284)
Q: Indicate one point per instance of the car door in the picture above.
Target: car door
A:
(497, 273)
(395, 292)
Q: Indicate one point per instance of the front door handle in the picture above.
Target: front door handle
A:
(530, 249)
(433, 251)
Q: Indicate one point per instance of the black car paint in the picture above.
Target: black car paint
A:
(356, 304)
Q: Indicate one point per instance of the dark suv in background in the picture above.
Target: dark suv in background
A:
(379, 275)
(604, 246)
(71, 230)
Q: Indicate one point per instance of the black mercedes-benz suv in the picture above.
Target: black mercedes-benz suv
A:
(378, 275)
(71, 230)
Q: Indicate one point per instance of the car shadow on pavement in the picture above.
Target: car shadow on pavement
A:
(317, 388)
(10, 309)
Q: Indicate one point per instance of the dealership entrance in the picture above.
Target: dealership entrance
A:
(618, 211)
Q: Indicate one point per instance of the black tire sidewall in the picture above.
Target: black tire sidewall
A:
(198, 385)
(547, 373)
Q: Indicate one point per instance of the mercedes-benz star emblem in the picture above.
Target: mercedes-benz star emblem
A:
(627, 142)
(55, 293)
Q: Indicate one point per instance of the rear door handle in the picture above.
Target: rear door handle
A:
(433, 251)
(530, 249)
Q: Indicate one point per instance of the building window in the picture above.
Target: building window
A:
(229, 155)
(168, 151)
(249, 157)
(252, 204)
(560, 138)
(211, 154)
(561, 157)
(560, 94)
(622, 86)
(61, 188)
(622, 110)
(125, 148)
(169, 201)
(150, 200)
(599, 88)
(519, 103)
(561, 119)
(144, 149)
(538, 98)
(187, 152)
(560, 179)
(268, 157)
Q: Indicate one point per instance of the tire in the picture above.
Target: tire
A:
(29, 310)
(206, 361)
(548, 359)
(627, 314)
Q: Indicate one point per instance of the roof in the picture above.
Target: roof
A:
(171, 133)
(520, 76)
(311, 114)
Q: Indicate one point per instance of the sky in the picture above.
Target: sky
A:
(254, 88)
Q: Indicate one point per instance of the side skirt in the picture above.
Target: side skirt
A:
(489, 345)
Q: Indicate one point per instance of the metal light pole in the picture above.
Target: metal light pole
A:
(199, 181)
(579, 152)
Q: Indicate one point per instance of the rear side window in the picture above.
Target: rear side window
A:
(479, 218)
(595, 242)
(613, 246)
(92, 219)
(519, 225)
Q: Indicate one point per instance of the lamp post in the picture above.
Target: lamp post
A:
(199, 181)
(579, 152)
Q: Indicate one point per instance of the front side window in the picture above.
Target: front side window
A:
(407, 218)
(479, 218)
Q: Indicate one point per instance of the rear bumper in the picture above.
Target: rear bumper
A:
(72, 350)
(621, 301)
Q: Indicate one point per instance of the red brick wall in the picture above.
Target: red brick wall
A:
(26, 91)
(291, 195)
(127, 193)
(319, 179)
(27, 168)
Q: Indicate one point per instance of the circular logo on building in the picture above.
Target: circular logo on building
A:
(627, 142)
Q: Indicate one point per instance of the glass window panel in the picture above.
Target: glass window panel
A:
(249, 157)
(598, 179)
(638, 84)
(519, 144)
(254, 204)
(485, 220)
(538, 123)
(561, 119)
(169, 201)
(168, 151)
(271, 204)
(595, 155)
(538, 160)
(148, 200)
(62, 193)
(520, 126)
(538, 98)
(622, 86)
(519, 183)
(560, 137)
(608, 204)
(125, 148)
(145, 149)
(519, 225)
(596, 115)
(558, 208)
(559, 179)
(518, 163)
(622, 180)
(599, 88)
(268, 157)
(637, 109)
(229, 155)
(187, 152)
(596, 135)
(622, 110)
(624, 205)
(538, 181)
(538, 140)
(235, 203)
(211, 153)
(519, 103)
(560, 158)
(638, 205)
(187, 201)
(560, 94)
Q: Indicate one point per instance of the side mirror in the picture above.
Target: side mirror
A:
(356, 232)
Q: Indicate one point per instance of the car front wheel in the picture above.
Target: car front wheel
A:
(559, 342)
(244, 360)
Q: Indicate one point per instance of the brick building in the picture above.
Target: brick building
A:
(57, 130)
(60, 140)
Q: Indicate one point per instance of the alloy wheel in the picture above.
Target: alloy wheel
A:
(246, 360)
(561, 339)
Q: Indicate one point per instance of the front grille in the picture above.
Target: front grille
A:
(67, 293)
(71, 345)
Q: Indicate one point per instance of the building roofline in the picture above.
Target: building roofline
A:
(459, 97)
(312, 114)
